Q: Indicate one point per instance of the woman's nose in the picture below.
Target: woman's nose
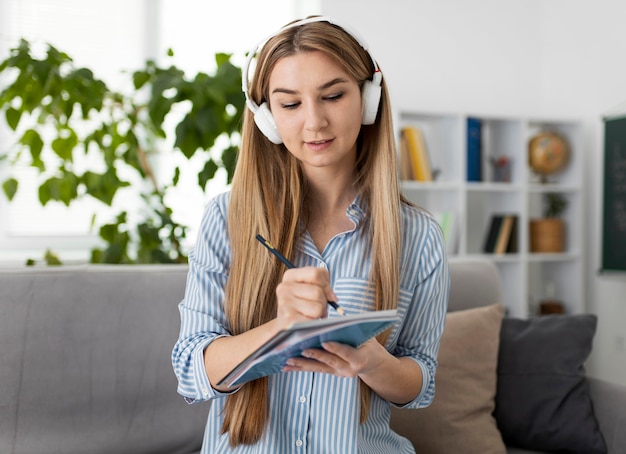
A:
(315, 117)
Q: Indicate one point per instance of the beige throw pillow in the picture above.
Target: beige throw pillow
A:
(460, 419)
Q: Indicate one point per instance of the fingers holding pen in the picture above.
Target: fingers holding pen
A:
(304, 293)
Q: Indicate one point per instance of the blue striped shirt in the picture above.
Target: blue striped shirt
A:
(314, 412)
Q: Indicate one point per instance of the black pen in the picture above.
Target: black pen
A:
(288, 264)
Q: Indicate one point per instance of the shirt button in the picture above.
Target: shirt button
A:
(298, 443)
(205, 392)
(302, 399)
(322, 265)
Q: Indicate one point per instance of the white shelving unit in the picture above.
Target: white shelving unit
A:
(525, 275)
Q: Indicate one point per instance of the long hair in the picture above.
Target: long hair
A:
(267, 197)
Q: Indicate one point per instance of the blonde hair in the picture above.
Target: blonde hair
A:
(267, 198)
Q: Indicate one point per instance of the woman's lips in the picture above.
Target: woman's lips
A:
(319, 145)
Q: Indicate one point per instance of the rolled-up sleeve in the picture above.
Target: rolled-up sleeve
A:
(201, 310)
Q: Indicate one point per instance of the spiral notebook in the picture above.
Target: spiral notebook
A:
(270, 357)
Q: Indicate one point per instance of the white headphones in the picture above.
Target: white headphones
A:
(263, 116)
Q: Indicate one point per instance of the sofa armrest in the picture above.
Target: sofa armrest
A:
(609, 405)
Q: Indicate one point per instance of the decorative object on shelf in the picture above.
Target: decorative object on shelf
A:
(548, 153)
(501, 169)
(547, 234)
(550, 304)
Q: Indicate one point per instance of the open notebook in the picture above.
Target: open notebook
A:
(270, 357)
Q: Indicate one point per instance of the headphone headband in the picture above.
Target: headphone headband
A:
(262, 115)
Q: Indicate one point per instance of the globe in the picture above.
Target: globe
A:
(548, 152)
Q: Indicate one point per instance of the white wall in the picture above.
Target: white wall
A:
(562, 58)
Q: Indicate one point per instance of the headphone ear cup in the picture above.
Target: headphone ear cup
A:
(370, 99)
(265, 122)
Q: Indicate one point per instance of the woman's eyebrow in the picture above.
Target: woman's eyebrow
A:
(324, 86)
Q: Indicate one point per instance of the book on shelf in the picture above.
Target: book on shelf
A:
(406, 171)
(474, 149)
(502, 234)
(448, 222)
(417, 153)
(492, 233)
(512, 245)
(270, 358)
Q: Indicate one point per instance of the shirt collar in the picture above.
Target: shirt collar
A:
(357, 209)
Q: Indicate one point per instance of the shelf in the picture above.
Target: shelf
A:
(491, 187)
(474, 203)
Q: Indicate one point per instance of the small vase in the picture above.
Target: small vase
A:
(547, 235)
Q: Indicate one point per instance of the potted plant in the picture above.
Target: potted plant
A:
(547, 234)
(60, 114)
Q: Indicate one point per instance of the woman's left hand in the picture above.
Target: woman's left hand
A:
(397, 380)
(338, 359)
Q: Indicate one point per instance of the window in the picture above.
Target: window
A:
(109, 37)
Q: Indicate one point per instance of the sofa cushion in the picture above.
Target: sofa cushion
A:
(543, 400)
(85, 362)
(461, 412)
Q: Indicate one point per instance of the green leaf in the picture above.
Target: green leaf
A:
(176, 176)
(13, 117)
(97, 256)
(51, 258)
(32, 140)
(159, 107)
(117, 251)
(208, 125)
(207, 173)
(187, 139)
(63, 146)
(140, 78)
(103, 186)
(10, 188)
(63, 189)
(229, 159)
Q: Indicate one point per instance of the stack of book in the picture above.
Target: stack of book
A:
(501, 235)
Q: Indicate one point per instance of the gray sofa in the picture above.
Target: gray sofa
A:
(85, 360)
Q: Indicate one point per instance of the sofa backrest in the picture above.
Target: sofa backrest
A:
(474, 282)
(85, 357)
(85, 362)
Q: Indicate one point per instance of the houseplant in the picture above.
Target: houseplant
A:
(547, 234)
(61, 115)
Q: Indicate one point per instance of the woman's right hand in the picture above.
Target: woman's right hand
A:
(303, 294)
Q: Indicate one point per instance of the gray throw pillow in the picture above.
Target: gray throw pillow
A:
(542, 399)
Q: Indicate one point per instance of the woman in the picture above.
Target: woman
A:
(316, 176)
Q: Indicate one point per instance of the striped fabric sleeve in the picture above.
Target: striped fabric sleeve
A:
(424, 320)
(201, 310)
